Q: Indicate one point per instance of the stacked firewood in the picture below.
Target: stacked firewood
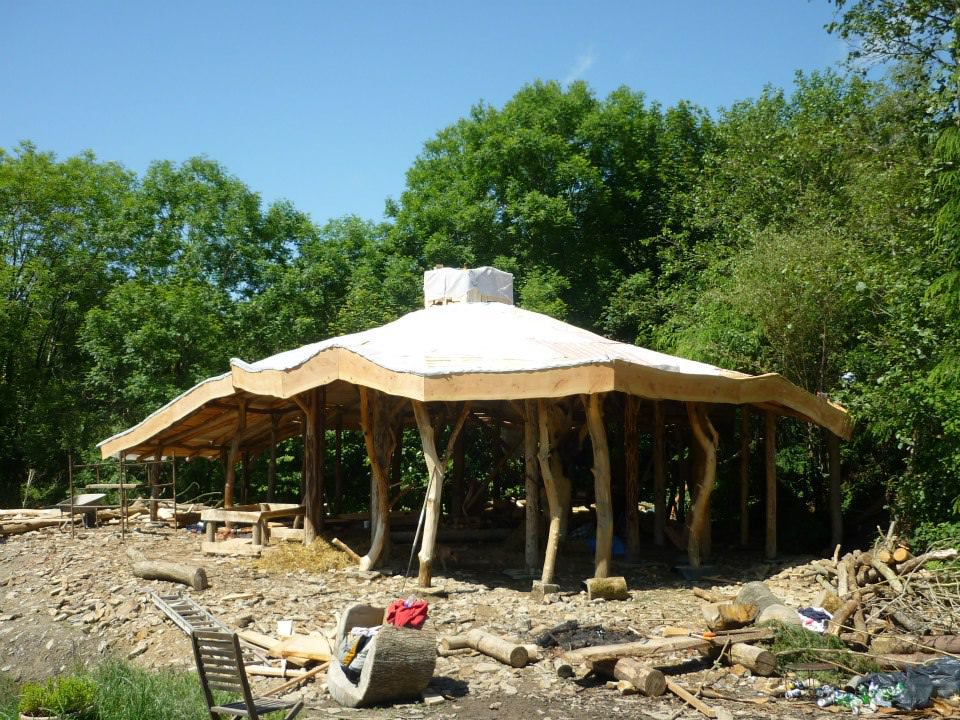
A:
(887, 591)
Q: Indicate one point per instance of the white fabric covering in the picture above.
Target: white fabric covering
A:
(482, 284)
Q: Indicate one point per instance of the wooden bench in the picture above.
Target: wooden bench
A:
(256, 515)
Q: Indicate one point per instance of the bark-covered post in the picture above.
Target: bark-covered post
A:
(153, 478)
(603, 557)
(770, 453)
(659, 474)
(551, 421)
(338, 464)
(436, 468)
(531, 476)
(631, 450)
(272, 465)
(320, 410)
(836, 488)
(245, 475)
(706, 439)
(457, 484)
(380, 440)
(744, 475)
(310, 480)
(233, 454)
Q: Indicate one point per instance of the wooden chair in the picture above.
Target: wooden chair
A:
(220, 667)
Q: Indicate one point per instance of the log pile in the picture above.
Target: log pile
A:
(888, 592)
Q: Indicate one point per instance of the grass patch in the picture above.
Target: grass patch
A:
(319, 556)
(793, 644)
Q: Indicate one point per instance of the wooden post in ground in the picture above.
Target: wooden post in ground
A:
(338, 465)
(659, 474)
(245, 475)
(531, 475)
(770, 455)
(310, 497)
(380, 439)
(744, 475)
(706, 439)
(603, 556)
(233, 454)
(551, 422)
(436, 468)
(836, 489)
(631, 451)
(457, 486)
(153, 478)
(320, 410)
(272, 465)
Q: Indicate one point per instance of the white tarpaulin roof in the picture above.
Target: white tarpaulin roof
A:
(481, 351)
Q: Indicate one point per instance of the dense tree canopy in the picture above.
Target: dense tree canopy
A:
(803, 232)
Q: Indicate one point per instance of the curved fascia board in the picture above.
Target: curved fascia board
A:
(339, 363)
(214, 388)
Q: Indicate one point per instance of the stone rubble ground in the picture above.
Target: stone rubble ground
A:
(65, 600)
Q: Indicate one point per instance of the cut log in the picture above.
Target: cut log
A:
(759, 661)
(449, 645)
(270, 671)
(727, 616)
(891, 645)
(884, 556)
(901, 554)
(647, 680)
(843, 614)
(183, 573)
(340, 545)
(641, 648)
(492, 646)
(889, 575)
(609, 588)
(296, 681)
(921, 560)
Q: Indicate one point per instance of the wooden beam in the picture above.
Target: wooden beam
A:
(631, 451)
(706, 438)
(531, 477)
(603, 557)
(380, 440)
(770, 453)
(436, 469)
(659, 473)
(744, 475)
(836, 488)
(338, 465)
(320, 408)
(272, 463)
(312, 519)
(457, 488)
(552, 424)
(232, 454)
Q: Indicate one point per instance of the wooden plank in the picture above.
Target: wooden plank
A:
(314, 647)
(238, 548)
(640, 648)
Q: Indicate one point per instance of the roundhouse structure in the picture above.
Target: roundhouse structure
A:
(471, 355)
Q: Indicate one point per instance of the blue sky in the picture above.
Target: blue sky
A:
(327, 104)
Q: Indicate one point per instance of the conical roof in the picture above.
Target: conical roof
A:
(465, 351)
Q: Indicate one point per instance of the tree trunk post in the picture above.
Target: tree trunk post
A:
(836, 488)
(706, 439)
(436, 467)
(531, 476)
(233, 453)
(380, 440)
(320, 410)
(457, 486)
(603, 557)
(659, 474)
(631, 451)
(770, 453)
(310, 480)
(153, 477)
(245, 475)
(272, 465)
(744, 475)
(551, 469)
(338, 465)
